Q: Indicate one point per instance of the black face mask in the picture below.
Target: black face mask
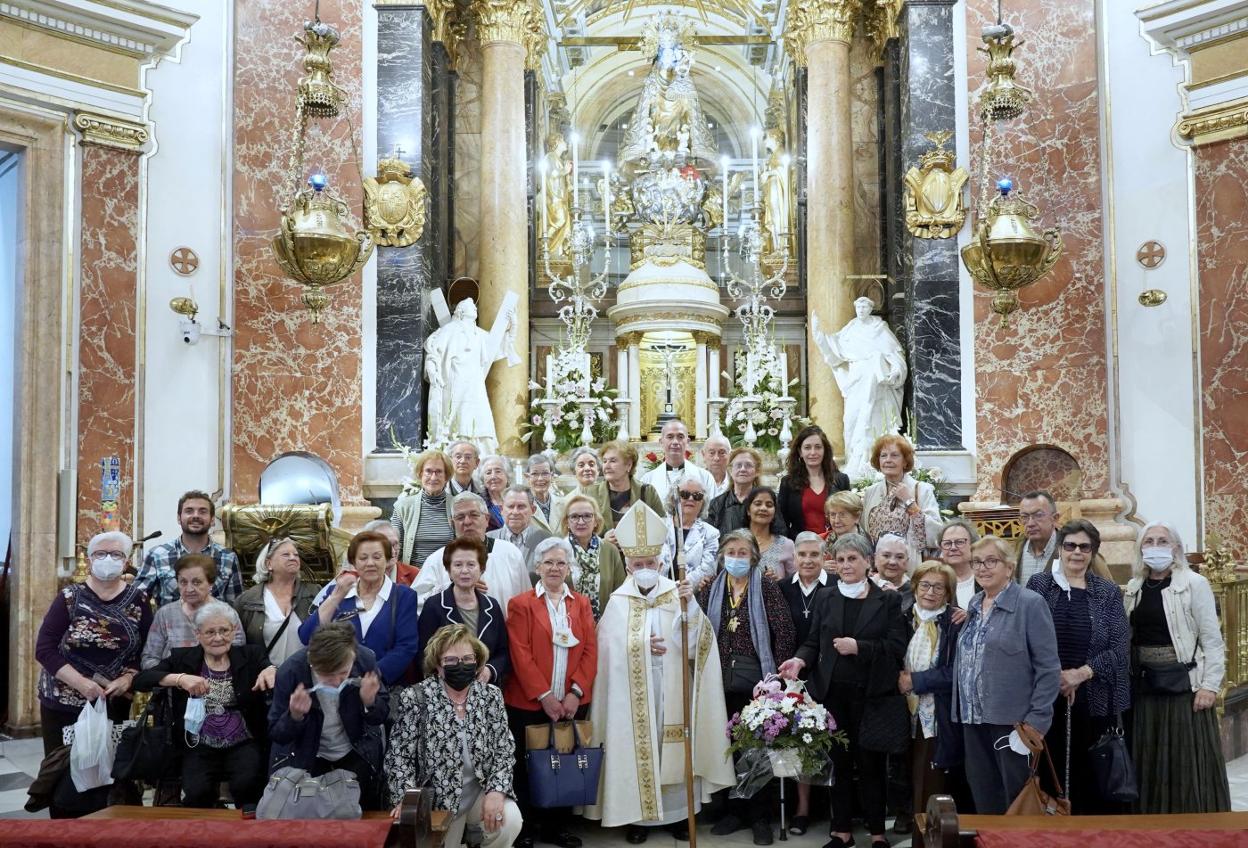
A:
(460, 677)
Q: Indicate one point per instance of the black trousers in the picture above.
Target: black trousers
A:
(765, 801)
(546, 820)
(67, 801)
(204, 768)
(846, 702)
(370, 781)
(1085, 729)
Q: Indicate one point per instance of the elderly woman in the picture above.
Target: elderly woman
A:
(727, 511)
(463, 603)
(927, 683)
(400, 572)
(231, 679)
(328, 712)
(801, 592)
(555, 646)
(90, 641)
(890, 568)
(1178, 659)
(751, 622)
(539, 473)
(1093, 644)
(776, 550)
(955, 539)
(854, 651)
(812, 476)
(618, 490)
(586, 467)
(689, 500)
(452, 735)
(174, 623)
(597, 567)
(423, 519)
(495, 478)
(899, 503)
(843, 512)
(382, 613)
(273, 609)
(1006, 673)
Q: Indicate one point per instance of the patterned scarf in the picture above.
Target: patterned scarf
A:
(926, 623)
(590, 579)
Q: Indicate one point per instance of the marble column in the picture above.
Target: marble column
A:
(699, 387)
(505, 30)
(634, 380)
(413, 112)
(818, 36)
(927, 269)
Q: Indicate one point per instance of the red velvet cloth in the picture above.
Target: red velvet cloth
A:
(1112, 838)
(191, 833)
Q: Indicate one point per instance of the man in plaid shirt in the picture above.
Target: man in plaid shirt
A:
(195, 515)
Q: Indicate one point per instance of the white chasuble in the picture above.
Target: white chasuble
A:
(637, 709)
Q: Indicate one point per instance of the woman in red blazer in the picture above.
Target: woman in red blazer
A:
(554, 651)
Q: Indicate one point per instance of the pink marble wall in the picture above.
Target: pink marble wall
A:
(1042, 379)
(106, 331)
(1045, 469)
(1222, 250)
(296, 385)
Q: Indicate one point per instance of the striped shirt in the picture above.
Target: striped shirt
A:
(434, 529)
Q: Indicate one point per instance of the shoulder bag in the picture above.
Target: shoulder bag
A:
(564, 780)
(147, 749)
(1034, 801)
(292, 793)
(885, 725)
(1111, 761)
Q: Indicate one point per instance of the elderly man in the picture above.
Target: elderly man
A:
(674, 438)
(715, 460)
(892, 564)
(464, 461)
(539, 473)
(1039, 547)
(196, 512)
(641, 659)
(519, 528)
(505, 572)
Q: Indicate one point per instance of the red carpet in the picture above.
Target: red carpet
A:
(83, 833)
(1113, 839)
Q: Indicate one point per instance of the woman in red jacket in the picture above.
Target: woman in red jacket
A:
(554, 651)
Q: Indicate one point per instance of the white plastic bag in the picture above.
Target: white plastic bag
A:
(91, 755)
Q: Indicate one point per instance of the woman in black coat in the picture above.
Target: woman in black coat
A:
(810, 479)
(854, 651)
(463, 603)
(231, 679)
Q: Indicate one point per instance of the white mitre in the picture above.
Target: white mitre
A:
(641, 531)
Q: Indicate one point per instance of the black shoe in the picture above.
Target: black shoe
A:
(523, 842)
(798, 825)
(762, 832)
(561, 838)
(904, 823)
(837, 842)
(635, 834)
(879, 843)
(728, 824)
(679, 830)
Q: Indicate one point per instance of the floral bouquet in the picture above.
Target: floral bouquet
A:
(762, 408)
(783, 732)
(572, 391)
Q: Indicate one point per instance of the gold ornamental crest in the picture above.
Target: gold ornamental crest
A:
(933, 192)
(394, 204)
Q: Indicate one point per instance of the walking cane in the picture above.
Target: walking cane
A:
(684, 680)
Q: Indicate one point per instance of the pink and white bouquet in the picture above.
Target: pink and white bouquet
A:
(784, 721)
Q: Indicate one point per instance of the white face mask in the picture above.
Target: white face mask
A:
(1157, 558)
(107, 568)
(646, 578)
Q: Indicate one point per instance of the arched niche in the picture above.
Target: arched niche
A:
(1042, 467)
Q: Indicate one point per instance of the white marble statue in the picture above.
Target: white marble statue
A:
(458, 356)
(870, 368)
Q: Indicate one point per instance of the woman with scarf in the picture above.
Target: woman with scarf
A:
(597, 568)
(754, 629)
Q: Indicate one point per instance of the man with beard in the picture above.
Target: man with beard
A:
(195, 515)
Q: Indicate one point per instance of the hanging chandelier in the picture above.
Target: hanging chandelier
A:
(320, 243)
(1006, 252)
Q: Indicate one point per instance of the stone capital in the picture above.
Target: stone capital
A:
(511, 21)
(113, 132)
(814, 21)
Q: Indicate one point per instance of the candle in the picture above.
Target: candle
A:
(754, 160)
(606, 195)
(724, 191)
(576, 171)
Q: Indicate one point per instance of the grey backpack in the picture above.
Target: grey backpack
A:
(292, 793)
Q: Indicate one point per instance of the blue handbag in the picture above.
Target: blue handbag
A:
(564, 780)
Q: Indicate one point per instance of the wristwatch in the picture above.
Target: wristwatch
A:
(577, 691)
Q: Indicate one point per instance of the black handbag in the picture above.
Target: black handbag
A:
(564, 780)
(1166, 679)
(885, 726)
(1111, 762)
(146, 749)
(743, 674)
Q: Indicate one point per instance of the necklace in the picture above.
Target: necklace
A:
(808, 601)
(734, 601)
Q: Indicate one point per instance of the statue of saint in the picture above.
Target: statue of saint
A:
(776, 195)
(458, 356)
(870, 368)
(556, 197)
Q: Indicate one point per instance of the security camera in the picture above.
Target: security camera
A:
(190, 329)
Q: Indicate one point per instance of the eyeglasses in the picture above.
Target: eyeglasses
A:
(692, 496)
(581, 516)
(539, 475)
(217, 632)
(924, 586)
(99, 556)
(452, 662)
(950, 544)
(988, 562)
(1082, 547)
(1029, 517)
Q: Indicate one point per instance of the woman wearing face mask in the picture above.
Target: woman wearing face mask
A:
(452, 734)
(754, 629)
(1178, 660)
(775, 551)
(90, 642)
(1093, 643)
(854, 653)
(218, 700)
(329, 710)
(174, 623)
(463, 603)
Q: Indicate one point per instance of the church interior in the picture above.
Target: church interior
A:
(274, 249)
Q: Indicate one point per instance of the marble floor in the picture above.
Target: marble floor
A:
(19, 763)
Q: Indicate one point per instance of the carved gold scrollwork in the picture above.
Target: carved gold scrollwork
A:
(932, 196)
(512, 21)
(110, 132)
(394, 204)
(812, 21)
(879, 21)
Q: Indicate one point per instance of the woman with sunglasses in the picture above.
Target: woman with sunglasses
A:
(1093, 643)
(689, 499)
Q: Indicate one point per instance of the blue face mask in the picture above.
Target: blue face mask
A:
(193, 719)
(737, 566)
(331, 691)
